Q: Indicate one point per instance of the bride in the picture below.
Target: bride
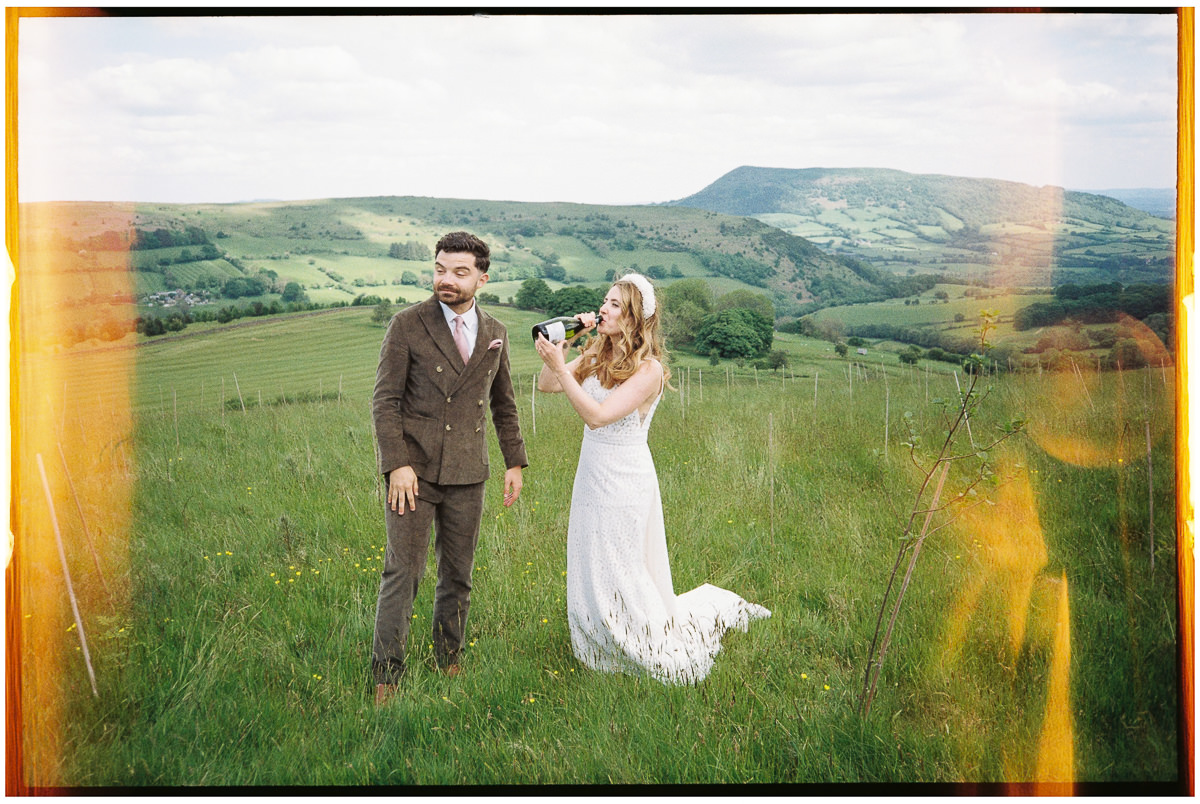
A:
(622, 609)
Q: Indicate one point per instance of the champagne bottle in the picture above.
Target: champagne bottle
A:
(559, 329)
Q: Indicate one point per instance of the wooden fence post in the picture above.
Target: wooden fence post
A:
(87, 658)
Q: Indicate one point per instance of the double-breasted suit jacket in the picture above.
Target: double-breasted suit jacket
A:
(429, 408)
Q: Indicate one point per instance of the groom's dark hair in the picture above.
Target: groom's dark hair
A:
(459, 242)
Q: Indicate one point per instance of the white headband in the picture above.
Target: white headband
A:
(646, 289)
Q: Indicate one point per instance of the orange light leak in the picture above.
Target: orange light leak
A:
(71, 310)
(1185, 244)
(1071, 427)
(74, 412)
(1056, 747)
(1009, 553)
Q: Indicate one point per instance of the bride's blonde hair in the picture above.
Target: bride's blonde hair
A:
(614, 358)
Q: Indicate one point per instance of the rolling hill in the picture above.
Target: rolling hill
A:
(1006, 233)
(806, 238)
(338, 249)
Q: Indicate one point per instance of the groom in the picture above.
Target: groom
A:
(442, 362)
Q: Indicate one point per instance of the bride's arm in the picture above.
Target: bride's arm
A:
(626, 398)
(548, 382)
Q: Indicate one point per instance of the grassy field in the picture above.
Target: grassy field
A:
(230, 490)
(958, 316)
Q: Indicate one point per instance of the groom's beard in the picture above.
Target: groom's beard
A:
(452, 296)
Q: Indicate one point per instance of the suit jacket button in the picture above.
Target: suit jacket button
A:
(449, 399)
(447, 427)
(477, 429)
(481, 403)
(439, 369)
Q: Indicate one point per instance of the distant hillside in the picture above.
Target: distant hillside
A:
(1157, 201)
(339, 249)
(1001, 232)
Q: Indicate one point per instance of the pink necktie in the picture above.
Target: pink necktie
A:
(460, 339)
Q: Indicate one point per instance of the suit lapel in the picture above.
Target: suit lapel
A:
(483, 333)
(435, 324)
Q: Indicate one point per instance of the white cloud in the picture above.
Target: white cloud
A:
(165, 86)
(605, 109)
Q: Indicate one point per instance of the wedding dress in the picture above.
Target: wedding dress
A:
(623, 612)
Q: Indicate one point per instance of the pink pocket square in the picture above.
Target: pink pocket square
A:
(496, 344)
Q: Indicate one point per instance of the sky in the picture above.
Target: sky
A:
(603, 109)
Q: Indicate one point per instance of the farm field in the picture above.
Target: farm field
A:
(932, 311)
(226, 478)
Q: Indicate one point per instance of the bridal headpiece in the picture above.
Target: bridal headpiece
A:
(646, 289)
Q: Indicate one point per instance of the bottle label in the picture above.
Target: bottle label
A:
(556, 332)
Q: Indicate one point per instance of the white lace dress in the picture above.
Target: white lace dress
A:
(623, 612)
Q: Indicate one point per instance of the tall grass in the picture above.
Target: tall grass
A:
(253, 554)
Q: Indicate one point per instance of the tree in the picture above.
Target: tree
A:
(410, 250)
(688, 291)
(293, 293)
(534, 294)
(749, 300)
(763, 325)
(382, 313)
(573, 300)
(1127, 354)
(681, 322)
(113, 330)
(841, 349)
(243, 286)
(734, 333)
(554, 271)
(777, 359)
(911, 355)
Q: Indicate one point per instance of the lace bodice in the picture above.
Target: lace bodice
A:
(631, 429)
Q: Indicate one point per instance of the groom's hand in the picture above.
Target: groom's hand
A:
(512, 485)
(402, 488)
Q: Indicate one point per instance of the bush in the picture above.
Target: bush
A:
(243, 286)
(534, 295)
(735, 333)
(573, 300)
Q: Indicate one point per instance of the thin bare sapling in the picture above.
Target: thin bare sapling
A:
(933, 508)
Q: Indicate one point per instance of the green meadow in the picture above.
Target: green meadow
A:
(230, 623)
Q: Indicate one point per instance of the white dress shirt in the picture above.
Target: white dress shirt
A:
(470, 323)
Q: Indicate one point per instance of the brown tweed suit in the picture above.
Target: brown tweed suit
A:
(429, 414)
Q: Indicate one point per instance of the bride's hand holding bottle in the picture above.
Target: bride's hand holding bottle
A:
(553, 353)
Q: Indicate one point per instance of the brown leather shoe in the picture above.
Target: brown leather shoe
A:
(384, 693)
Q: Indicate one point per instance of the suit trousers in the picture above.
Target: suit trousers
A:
(454, 512)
